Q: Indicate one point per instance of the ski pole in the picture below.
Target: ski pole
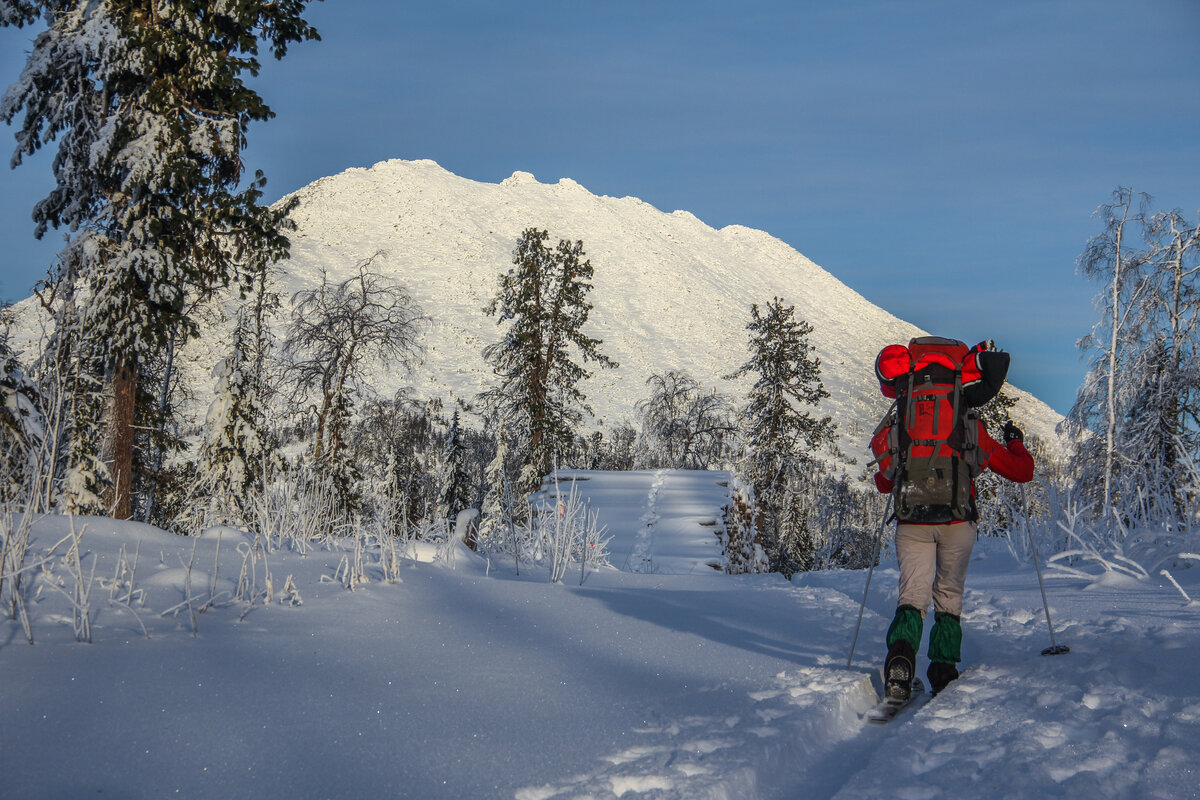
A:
(887, 512)
(1054, 649)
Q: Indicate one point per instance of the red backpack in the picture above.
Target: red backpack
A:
(927, 444)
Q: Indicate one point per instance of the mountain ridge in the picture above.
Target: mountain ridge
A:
(669, 291)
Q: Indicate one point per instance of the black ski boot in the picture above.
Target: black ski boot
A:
(940, 674)
(898, 672)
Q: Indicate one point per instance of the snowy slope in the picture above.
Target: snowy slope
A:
(462, 680)
(669, 291)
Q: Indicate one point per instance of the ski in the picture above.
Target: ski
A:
(887, 710)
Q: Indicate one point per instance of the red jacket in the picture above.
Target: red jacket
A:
(1012, 462)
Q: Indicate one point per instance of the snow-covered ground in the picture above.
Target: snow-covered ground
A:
(660, 679)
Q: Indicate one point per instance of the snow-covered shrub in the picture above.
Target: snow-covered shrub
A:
(559, 530)
(77, 592)
(466, 526)
(567, 532)
(122, 588)
(14, 550)
(297, 509)
(351, 571)
(1078, 542)
(388, 519)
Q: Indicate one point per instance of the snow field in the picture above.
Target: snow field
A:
(453, 678)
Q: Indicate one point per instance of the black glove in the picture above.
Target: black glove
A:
(1012, 433)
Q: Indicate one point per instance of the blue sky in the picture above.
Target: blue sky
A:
(941, 158)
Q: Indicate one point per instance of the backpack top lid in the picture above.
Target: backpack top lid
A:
(983, 368)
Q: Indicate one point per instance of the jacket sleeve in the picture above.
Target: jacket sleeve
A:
(883, 484)
(1012, 462)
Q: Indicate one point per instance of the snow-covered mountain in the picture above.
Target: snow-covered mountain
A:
(669, 291)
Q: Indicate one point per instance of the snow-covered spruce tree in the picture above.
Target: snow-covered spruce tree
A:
(780, 437)
(72, 382)
(539, 361)
(684, 426)
(497, 508)
(235, 455)
(337, 332)
(148, 105)
(22, 425)
(454, 484)
(238, 453)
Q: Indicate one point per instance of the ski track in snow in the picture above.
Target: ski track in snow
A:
(804, 715)
(641, 558)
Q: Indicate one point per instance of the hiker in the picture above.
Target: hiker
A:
(930, 448)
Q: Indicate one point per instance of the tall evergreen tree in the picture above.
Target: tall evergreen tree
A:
(22, 424)
(236, 452)
(148, 105)
(454, 484)
(781, 437)
(544, 301)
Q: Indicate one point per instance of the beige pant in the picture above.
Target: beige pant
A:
(933, 564)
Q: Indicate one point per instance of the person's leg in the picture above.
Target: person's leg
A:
(916, 553)
(955, 542)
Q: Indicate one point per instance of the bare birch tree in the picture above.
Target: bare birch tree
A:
(1110, 256)
(338, 331)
